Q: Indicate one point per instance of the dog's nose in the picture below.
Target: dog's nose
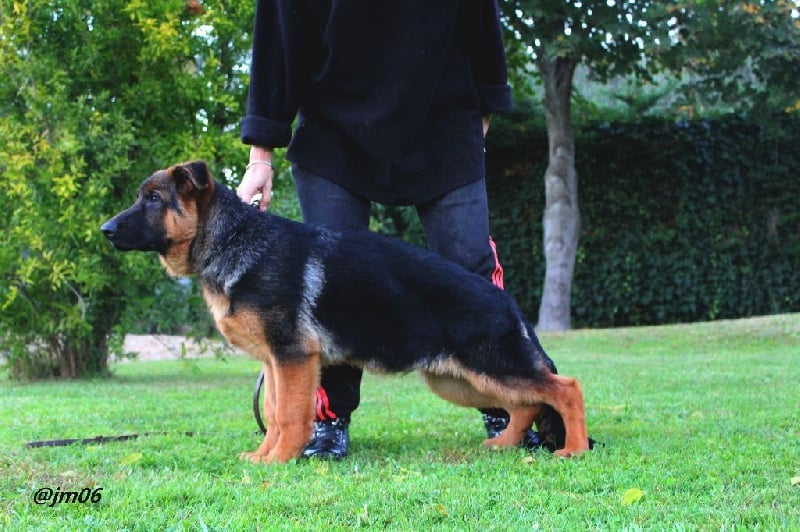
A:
(109, 228)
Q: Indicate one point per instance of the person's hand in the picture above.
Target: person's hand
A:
(486, 120)
(257, 178)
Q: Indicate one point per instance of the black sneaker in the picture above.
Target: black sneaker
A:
(329, 440)
(495, 425)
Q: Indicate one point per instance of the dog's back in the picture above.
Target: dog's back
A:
(373, 301)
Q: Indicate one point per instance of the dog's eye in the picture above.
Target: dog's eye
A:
(153, 197)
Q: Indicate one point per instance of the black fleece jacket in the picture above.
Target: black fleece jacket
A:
(388, 95)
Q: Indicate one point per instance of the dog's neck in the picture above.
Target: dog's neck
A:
(216, 249)
(223, 242)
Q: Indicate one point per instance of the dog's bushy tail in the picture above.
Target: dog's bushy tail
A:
(551, 429)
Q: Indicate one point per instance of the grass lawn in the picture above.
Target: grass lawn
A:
(700, 425)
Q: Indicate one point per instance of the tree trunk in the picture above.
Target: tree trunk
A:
(561, 218)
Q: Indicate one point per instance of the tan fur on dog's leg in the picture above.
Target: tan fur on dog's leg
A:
(567, 399)
(521, 419)
(295, 393)
(271, 437)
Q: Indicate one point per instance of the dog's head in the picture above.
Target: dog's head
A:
(164, 218)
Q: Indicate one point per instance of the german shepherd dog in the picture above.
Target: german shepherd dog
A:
(297, 297)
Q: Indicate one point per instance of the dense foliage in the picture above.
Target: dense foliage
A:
(681, 221)
(94, 97)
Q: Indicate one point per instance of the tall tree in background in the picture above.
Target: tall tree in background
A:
(741, 52)
(93, 97)
(612, 38)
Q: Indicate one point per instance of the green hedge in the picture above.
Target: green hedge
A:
(681, 221)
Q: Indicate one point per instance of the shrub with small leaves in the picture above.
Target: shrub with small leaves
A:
(93, 98)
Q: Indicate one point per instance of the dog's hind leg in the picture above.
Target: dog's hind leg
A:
(456, 390)
(461, 392)
(566, 396)
(273, 430)
(520, 421)
(295, 389)
(524, 398)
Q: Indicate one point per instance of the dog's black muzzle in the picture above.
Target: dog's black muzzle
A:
(127, 236)
(128, 231)
(110, 229)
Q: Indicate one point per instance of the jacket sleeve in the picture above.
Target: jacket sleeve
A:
(277, 68)
(489, 58)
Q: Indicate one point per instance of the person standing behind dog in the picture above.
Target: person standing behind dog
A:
(392, 101)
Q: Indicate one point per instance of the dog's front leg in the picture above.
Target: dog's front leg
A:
(295, 387)
(271, 437)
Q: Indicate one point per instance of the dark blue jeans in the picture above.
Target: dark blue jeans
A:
(456, 225)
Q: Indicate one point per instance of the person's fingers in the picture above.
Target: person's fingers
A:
(257, 180)
(266, 195)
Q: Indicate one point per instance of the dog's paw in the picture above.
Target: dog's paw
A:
(281, 455)
(570, 453)
(253, 457)
(503, 440)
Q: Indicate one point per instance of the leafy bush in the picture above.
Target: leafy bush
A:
(94, 97)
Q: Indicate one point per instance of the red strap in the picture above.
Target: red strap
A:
(497, 274)
(324, 412)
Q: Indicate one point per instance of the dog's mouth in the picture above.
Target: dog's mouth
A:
(119, 246)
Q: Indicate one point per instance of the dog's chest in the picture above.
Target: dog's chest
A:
(243, 329)
(218, 304)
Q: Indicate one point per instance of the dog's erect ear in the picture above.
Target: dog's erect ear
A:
(195, 172)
